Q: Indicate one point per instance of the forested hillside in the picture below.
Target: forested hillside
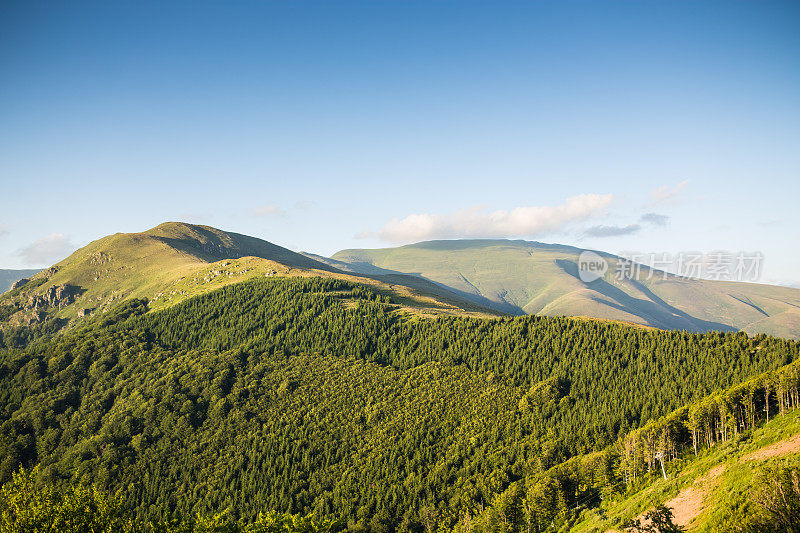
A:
(312, 395)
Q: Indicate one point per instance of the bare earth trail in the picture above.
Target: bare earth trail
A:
(784, 447)
(688, 504)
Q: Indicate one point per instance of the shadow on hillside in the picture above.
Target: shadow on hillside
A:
(418, 281)
(655, 310)
(211, 246)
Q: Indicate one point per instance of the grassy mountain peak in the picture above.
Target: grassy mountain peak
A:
(175, 261)
(525, 277)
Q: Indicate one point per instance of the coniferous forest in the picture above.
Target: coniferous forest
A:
(320, 398)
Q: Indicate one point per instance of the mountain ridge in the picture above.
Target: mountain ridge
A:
(174, 261)
(531, 277)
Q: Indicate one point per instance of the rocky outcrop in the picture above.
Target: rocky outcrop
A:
(57, 296)
(19, 283)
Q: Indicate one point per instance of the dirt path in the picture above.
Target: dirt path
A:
(784, 447)
(688, 504)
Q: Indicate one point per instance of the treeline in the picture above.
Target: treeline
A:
(717, 418)
(556, 497)
(319, 396)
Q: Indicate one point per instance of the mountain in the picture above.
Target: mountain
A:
(9, 277)
(522, 277)
(203, 380)
(174, 261)
(320, 395)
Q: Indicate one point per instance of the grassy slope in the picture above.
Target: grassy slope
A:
(720, 478)
(175, 261)
(536, 278)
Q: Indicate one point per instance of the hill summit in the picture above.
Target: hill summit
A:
(524, 277)
(175, 261)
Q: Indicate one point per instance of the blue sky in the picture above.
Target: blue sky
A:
(322, 126)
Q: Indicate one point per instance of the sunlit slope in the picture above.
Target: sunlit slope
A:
(710, 492)
(141, 264)
(174, 261)
(537, 278)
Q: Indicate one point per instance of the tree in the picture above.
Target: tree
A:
(658, 520)
(25, 507)
(777, 493)
(542, 505)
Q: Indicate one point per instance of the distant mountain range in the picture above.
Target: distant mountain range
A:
(8, 277)
(522, 277)
(175, 261)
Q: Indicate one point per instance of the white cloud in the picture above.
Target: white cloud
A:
(667, 195)
(47, 250)
(476, 222)
(3, 231)
(268, 210)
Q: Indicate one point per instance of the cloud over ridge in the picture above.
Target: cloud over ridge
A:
(47, 250)
(477, 222)
(650, 219)
(613, 231)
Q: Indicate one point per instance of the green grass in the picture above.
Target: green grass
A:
(176, 261)
(529, 277)
(727, 492)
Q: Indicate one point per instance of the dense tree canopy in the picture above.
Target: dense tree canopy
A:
(320, 396)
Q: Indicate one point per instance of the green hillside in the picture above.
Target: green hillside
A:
(716, 491)
(175, 261)
(519, 277)
(204, 377)
(728, 462)
(318, 395)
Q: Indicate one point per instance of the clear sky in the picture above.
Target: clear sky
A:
(649, 126)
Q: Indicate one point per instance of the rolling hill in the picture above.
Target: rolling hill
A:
(318, 395)
(174, 261)
(522, 277)
(200, 374)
